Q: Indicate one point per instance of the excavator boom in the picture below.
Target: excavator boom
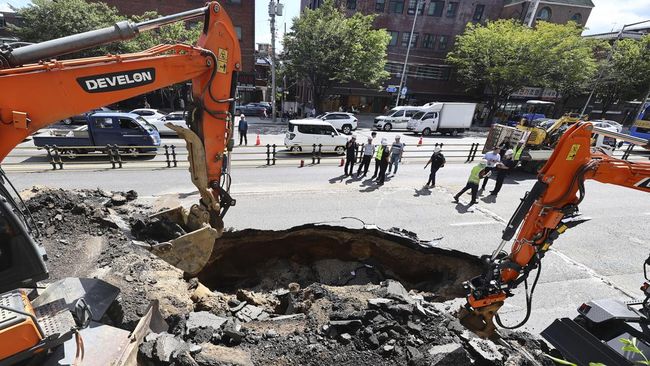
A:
(39, 90)
(546, 212)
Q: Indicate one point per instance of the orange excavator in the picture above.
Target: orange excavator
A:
(546, 212)
(37, 90)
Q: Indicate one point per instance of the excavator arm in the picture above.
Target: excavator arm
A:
(547, 211)
(38, 90)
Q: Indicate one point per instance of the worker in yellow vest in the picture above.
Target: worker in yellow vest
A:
(474, 179)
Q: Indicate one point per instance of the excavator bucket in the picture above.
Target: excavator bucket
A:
(481, 320)
(189, 252)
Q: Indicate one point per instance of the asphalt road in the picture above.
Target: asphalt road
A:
(599, 259)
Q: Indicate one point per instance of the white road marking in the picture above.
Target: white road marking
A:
(475, 223)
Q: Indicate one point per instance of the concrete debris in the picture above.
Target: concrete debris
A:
(486, 349)
(249, 313)
(395, 290)
(203, 319)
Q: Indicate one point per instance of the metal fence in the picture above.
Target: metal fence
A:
(170, 156)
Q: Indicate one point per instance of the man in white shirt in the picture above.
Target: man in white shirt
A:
(493, 158)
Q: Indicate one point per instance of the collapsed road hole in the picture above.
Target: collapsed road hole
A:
(263, 260)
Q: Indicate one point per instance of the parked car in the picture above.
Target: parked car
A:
(252, 109)
(605, 123)
(302, 134)
(178, 118)
(150, 115)
(396, 118)
(342, 121)
(82, 118)
(101, 129)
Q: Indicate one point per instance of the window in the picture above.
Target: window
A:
(413, 4)
(393, 38)
(442, 43)
(396, 6)
(405, 39)
(352, 4)
(435, 8)
(428, 41)
(452, 8)
(398, 114)
(3, 22)
(577, 17)
(106, 122)
(144, 112)
(544, 14)
(410, 113)
(478, 12)
(309, 129)
(326, 130)
(379, 5)
(128, 124)
(238, 31)
(430, 115)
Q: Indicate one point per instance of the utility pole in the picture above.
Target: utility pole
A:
(275, 8)
(530, 14)
(408, 50)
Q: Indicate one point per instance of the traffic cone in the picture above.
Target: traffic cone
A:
(258, 142)
(342, 162)
(420, 142)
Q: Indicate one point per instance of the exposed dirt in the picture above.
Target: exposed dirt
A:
(313, 295)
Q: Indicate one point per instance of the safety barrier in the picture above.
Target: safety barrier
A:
(173, 156)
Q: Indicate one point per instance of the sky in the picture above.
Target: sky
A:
(608, 15)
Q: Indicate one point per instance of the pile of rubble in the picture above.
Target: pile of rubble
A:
(328, 325)
(330, 311)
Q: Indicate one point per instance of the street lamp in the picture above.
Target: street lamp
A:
(408, 50)
(609, 58)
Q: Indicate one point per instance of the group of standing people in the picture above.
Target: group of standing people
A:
(386, 158)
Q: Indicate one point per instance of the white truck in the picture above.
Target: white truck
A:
(444, 117)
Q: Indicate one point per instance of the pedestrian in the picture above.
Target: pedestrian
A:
(368, 152)
(383, 163)
(492, 158)
(437, 161)
(378, 153)
(146, 103)
(396, 151)
(243, 129)
(340, 108)
(502, 169)
(350, 155)
(472, 182)
(385, 110)
(264, 114)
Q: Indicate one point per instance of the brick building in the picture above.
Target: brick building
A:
(241, 12)
(428, 77)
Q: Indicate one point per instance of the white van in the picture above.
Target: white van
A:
(445, 118)
(304, 133)
(396, 118)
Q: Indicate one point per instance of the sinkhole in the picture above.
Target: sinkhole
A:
(264, 260)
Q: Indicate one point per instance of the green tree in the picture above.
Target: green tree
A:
(497, 56)
(627, 75)
(48, 19)
(565, 61)
(325, 47)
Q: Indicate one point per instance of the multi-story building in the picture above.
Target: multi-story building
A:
(8, 17)
(428, 76)
(241, 12)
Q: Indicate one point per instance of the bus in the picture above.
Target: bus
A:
(641, 127)
(531, 110)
